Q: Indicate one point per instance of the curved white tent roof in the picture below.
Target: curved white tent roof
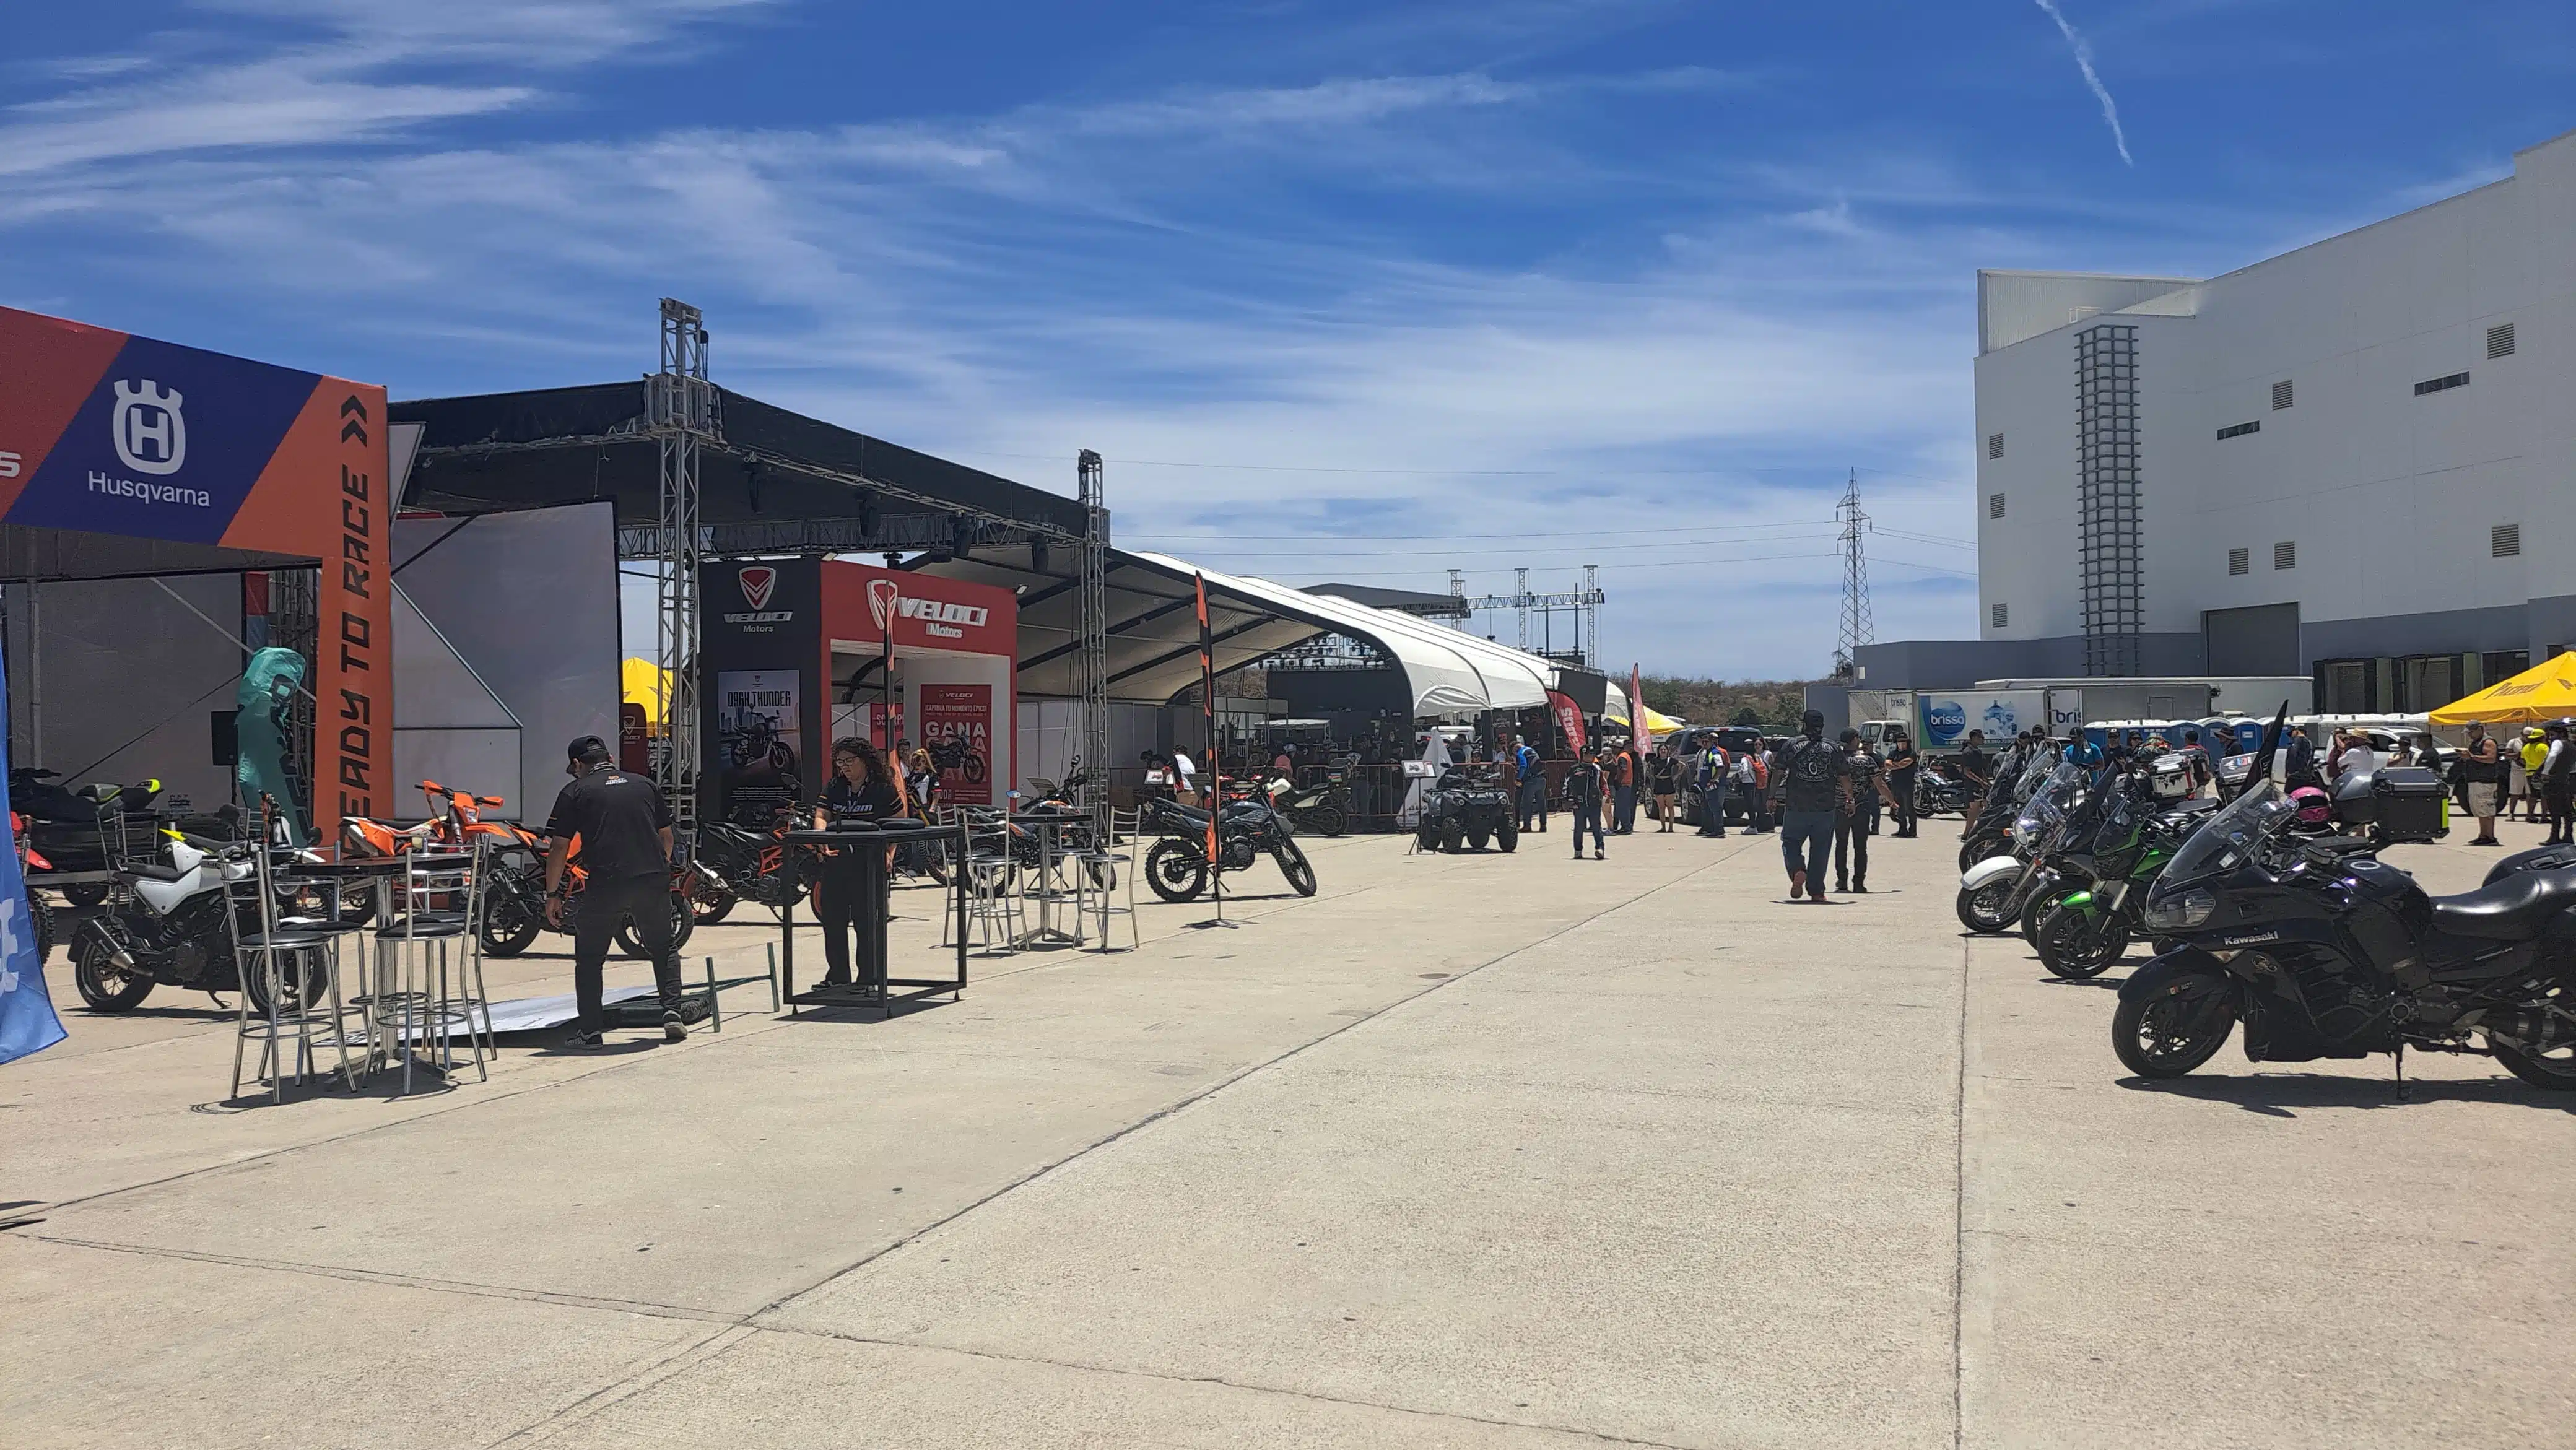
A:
(1450, 672)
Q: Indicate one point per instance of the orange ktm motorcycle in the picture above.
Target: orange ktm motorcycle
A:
(514, 885)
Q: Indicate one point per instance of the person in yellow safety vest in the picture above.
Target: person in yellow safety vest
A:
(2535, 751)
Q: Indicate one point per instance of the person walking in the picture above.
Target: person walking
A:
(862, 788)
(1856, 814)
(2557, 776)
(625, 830)
(1807, 775)
(1664, 772)
(1585, 786)
(1185, 776)
(1623, 790)
(2482, 782)
(1753, 782)
(1712, 773)
(1901, 763)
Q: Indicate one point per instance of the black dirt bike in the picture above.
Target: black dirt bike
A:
(1177, 866)
(1323, 807)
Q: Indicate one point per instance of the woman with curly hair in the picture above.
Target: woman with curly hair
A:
(862, 787)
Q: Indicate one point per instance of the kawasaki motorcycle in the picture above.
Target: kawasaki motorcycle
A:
(2090, 927)
(2322, 951)
(1177, 866)
(1994, 892)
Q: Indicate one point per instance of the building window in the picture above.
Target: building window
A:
(2111, 567)
(2427, 682)
(2436, 385)
(2285, 555)
(2347, 687)
(2240, 561)
(2501, 665)
(2238, 430)
(2500, 342)
(2003, 615)
(1994, 505)
(2504, 541)
(1994, 445)
(2280, 395)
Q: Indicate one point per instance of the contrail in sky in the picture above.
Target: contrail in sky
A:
(2084, 63)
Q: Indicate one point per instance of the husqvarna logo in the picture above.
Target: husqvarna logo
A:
(757, 583)
(151, 435)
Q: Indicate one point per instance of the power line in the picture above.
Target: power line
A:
(1589, 471)
(1548, 534)
(1516, 553)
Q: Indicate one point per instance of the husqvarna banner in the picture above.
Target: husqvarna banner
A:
(104, 432)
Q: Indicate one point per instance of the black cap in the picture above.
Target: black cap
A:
(1813, 720)
(586, 749)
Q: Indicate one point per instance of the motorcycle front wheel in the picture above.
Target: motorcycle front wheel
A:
(1294, 865)
(510, 926)
(1988, 910)
(2169, 1034)
(1326, 820)
(2075, 944)
(104, 985)
(683, 921)
(301, 979)
(1176, 870)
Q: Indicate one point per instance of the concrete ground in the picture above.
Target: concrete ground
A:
(1493, 1150)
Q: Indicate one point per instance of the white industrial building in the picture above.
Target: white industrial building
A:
(2355, 461)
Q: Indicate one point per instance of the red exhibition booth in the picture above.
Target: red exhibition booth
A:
(796, 654)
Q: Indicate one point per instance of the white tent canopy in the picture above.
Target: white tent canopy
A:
(1449, 672)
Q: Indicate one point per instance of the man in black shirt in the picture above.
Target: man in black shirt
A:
(1979, 769)
(625, 830)
(1807, 776)
(1901, 761)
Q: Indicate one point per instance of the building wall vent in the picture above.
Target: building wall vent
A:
(2436, 385)
(1994, 445)
(2240, 561)
(2286, 555)
(1994, 505)
(2500, 341)
(2239, 430)
(2003, 615)
(2504, 541)
(2281, 395)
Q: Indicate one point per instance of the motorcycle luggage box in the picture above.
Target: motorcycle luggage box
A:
(2410, 804)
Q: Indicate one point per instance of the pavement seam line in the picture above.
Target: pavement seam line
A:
(998, 1357)
(1959, 1222)
(679, 1361)
(1173, 1108)
(404, 1281)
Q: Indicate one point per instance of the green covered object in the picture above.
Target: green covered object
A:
(259, 763)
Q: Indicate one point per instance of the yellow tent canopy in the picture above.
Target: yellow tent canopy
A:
(2546, 691)
(640, 683)
(1657, 722)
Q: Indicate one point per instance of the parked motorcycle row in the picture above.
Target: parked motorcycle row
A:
(2270, 911)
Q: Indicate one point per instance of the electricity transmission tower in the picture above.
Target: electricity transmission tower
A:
(1856, 626)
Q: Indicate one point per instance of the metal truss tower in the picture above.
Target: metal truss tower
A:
(680, 414)
(1857, 628)
(1584, 604)
(1092, 624)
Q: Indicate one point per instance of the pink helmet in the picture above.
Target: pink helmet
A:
(2313, 806)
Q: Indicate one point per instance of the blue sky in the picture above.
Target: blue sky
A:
(1355, 291)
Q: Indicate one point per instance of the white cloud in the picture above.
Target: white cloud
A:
(2084, 62)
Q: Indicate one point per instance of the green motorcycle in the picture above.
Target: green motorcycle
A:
(2089, 927)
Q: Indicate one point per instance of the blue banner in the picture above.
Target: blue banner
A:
(27, 1020)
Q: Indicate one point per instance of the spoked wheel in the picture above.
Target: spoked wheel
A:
(2171, 1033)
(1294, 865)
(104, 985)
(1974, 850)
(510, 925)
(683, 921)
(1176, 870)
(711, 903)
(2076, 944)
(300, 979)
(1988, 910)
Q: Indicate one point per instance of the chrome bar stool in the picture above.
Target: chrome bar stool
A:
(423, 994)
(294, 963)
(1103, 865)
(993, 904)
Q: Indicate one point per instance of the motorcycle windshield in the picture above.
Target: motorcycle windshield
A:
(2230, 838)
(2043, 764)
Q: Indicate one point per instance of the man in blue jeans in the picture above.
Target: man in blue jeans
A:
(1584, 787)
(1713, 766)
(1808, 775)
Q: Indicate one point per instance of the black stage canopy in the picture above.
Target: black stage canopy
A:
(777, 482)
